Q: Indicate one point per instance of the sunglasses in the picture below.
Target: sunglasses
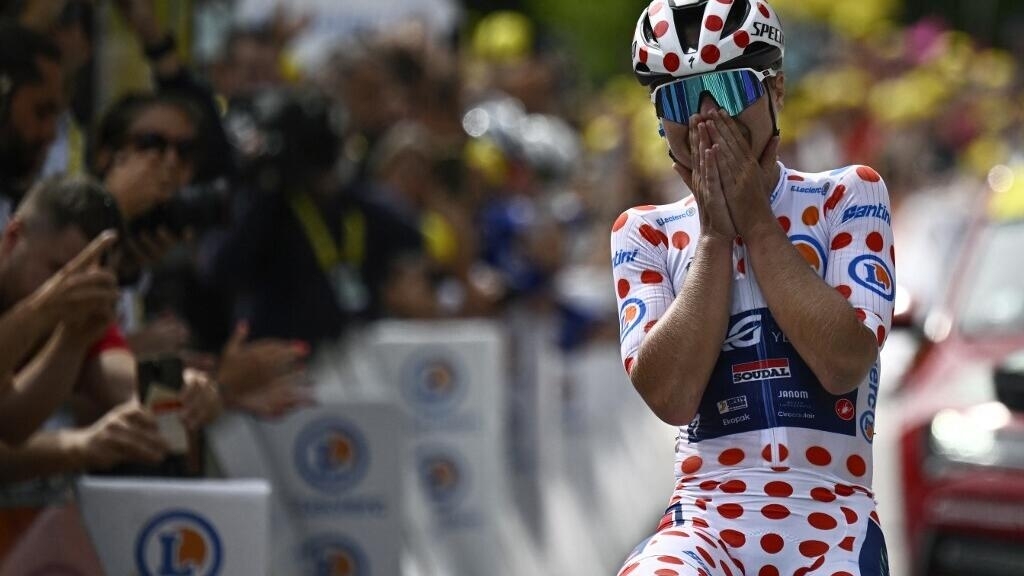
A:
(186, 148)
(733, 90)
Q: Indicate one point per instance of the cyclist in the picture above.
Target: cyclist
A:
(752, 313)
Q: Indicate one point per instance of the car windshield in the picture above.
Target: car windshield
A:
(993, 301)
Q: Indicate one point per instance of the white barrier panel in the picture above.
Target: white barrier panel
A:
(195, 527)
(449, 379)
(337, 473)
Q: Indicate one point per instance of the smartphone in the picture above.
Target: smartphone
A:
(161, 380)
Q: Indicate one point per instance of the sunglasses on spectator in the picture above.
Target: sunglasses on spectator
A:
(186, 148)
(733, 90)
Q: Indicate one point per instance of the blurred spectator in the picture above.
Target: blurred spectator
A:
(31, 99)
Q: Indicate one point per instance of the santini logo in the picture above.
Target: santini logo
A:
(624, 257)
(880, 211)
(743, 334)
(760, 370)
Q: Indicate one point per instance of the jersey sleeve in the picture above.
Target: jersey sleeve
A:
(643, 285)
(861, 252)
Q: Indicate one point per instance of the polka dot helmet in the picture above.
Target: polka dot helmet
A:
(679, 38)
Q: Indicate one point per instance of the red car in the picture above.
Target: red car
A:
(962, 442)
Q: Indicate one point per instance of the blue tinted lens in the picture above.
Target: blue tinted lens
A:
(734, 90)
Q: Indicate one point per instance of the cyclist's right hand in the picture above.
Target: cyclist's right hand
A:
(715, 219)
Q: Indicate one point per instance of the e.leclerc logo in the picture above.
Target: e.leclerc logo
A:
(334, 555)
(331, 454)
(178, 543)
(433, 384)
(872, 273)
(443, 475)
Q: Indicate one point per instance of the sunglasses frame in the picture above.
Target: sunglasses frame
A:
(761, 76)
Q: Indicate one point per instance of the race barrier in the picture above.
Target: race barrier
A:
(160, 527)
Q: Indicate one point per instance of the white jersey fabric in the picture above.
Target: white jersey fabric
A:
(774, 472)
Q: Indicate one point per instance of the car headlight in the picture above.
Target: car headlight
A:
(969, 436)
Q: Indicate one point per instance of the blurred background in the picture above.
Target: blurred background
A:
(368, 179)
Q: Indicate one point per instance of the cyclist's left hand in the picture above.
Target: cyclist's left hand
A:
(747, 180)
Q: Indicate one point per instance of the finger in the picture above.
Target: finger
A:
(238, 337)
(725, 154)
(724, 137)
(714, 175)
(732, 135)
(770, 155)
(91, 254)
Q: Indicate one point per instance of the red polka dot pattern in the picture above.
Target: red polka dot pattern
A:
(875, 242)
(680, 240)
(764, 10)
(671, 62)
(655, 9)
(845, 290)
(861, 315)
(660, 28)
(623, 287)
(628, 364)
(892, 254)
(844, 490)
(741, 265)
(676, 533)
(850, 514)
(778, 489)
(731, 457)
(707, 539)
(653, 235)
(665, 572)
(710, 54)
(881, 335)
(795, 178)
(822, 521)
(733, 538)
(768, 570)
(785, 223)
(868, 174)
(818, 456)
(772, 543)
(775, 511)
(708, 485)
(842, 240)
(835, 198)
(645, 208)
(629, 569)
(691, 464)
(810, 216)
(844, 573)
(700, 523)
(734, 487)
(707, 557)
(714, 23)
(847, 544)
(741, 38)
(644, 55)
(730, 511)
(702, 503)
(812, 548)
(856, 465)
(620, 222)
(651, 277)
(823, 495)
(783, 452)
(874, 516)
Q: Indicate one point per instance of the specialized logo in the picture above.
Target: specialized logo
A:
(334, 555)
(867, 418)
(819, 190)
(761, 370)
(178, 543)
(845, 409)
(631, 314)
(624, 257)
(871, 272)
(732, 404)
(762, 30)
(444, 477)
(880, 211)
(689, 212)
(432, 383)
(743, 334)
(812, 252)
(331, 455)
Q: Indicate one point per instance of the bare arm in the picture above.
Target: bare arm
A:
(820, 323)
(677, 356)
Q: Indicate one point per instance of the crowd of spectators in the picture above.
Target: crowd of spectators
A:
(242, 217)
